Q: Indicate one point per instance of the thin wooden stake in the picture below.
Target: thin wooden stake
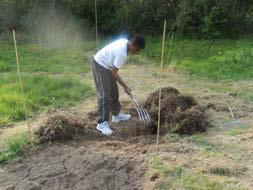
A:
(160, 92)
(231, 112)
(230, 109)
(22, 93)
(96, 22)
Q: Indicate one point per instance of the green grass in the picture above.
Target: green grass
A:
(237, 131)
(35, 58)
(208, 149)
(215, 59)
(166, 170)
(52, 78)
(178, 177)
(223, 171)
(13, 146)
(199, 181)
(40, 92)
(243, 93)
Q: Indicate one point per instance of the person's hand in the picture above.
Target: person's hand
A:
(128, 91)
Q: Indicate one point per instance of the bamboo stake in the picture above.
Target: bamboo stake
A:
(160, 92)
(22, 93)
(230, 109)
(96, 22)
(231, 112)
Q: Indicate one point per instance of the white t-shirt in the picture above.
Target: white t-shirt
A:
(112, 55)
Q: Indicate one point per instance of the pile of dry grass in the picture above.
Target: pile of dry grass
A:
(179, 113)
(59, 126)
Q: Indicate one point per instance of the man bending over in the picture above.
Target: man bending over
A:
(106, 64)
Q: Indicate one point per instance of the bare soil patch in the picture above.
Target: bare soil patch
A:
(86, 165)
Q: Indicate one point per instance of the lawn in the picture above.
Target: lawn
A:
(52, 77)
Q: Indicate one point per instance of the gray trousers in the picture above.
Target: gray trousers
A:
(107, 92)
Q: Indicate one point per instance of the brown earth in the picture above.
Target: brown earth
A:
(73, 155)
(108, 164)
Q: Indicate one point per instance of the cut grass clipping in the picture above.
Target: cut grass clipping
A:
(41, 92)
(14, 145)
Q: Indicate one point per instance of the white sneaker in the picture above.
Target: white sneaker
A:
(104, 128)
(121, 117)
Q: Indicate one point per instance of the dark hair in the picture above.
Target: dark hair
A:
(139, 41)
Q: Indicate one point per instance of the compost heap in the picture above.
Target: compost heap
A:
(178, 113)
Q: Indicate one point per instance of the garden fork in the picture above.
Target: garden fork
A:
(142, 112)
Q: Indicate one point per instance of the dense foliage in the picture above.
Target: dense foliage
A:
(201, 18)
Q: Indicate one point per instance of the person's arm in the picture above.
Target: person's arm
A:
(120, 81)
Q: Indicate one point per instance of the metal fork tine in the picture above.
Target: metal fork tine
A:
(142, 112)
(148, 117)
(144, 115)
(140, 116)
(136, 107)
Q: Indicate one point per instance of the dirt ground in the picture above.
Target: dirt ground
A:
(108, 164)
(122, 161)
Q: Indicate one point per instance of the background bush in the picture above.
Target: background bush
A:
(199, 18)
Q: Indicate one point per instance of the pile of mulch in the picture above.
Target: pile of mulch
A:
(67, 125)
(61, 126)
(179, 113)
